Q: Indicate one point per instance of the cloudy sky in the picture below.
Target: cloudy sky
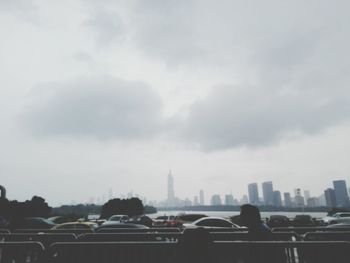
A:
(112, 94)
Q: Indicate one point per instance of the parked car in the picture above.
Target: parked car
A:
(278, 221)
(120, 225)
(337, 218)
(60, 219)
(141, 220)
(164, 221)
(340, 225)
(76, 225)
(186, 218)
(303, 221)
(211, 222)
(34, 223)
(118, 218)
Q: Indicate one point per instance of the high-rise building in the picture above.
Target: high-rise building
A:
(306, 195)
(229, 199)
(312, 202)
(277, 199)
(171, 192)
(253, 193)
(267, 189)
(330, 197)
(215, 200)
(287, 200)
(341, 193)
(195, 200)
(322, 200)
(299, 199)
(187, 202)
(201, 197)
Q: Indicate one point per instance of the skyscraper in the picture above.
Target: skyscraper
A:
(229, 199)
(195, 201)
(330, 197)
(341, 193)
(267, 189)
(253, 193)
(299, 199)
(171, 192)
(306, 195)
(201, 197)
(287, 200)
(216, 200)
(277, 199)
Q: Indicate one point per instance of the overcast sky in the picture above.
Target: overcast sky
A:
(112, 94)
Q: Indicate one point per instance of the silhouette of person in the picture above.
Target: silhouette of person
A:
(259, 231)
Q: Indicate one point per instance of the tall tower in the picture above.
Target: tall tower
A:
(267, 192)
(341, 193)
(201, 197)
(330, 197)
(171, 193)
(253, 193)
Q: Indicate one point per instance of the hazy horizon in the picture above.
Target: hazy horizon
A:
(113, 94)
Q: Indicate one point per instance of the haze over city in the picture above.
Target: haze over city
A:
(113, 94)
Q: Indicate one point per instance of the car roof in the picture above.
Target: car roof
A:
(78, 223)
(211, 217)
(121, 225)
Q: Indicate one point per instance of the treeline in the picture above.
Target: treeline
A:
(14, 210)
(38, 207)
(130, 207)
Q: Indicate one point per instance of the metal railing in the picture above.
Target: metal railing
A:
(303, 230)
(139, 230)
(21, 252)
(176, 252)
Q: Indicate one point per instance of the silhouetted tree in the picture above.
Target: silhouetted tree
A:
(130, 207)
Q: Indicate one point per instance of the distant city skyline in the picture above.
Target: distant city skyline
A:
(270, 197)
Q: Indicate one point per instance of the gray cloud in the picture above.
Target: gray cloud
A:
(106, 25)
(21, 8)
(102, 108)
(246, 116)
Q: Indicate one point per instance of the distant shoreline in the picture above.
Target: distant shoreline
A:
(224, 208)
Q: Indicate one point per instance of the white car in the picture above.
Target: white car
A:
(340, 217)
(211, 222)
(116, 219)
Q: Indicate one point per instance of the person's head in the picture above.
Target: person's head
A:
(250, 216)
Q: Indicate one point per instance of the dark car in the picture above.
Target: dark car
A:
(303, 221)
(141, 220)
(34, 223)
(278, 221)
